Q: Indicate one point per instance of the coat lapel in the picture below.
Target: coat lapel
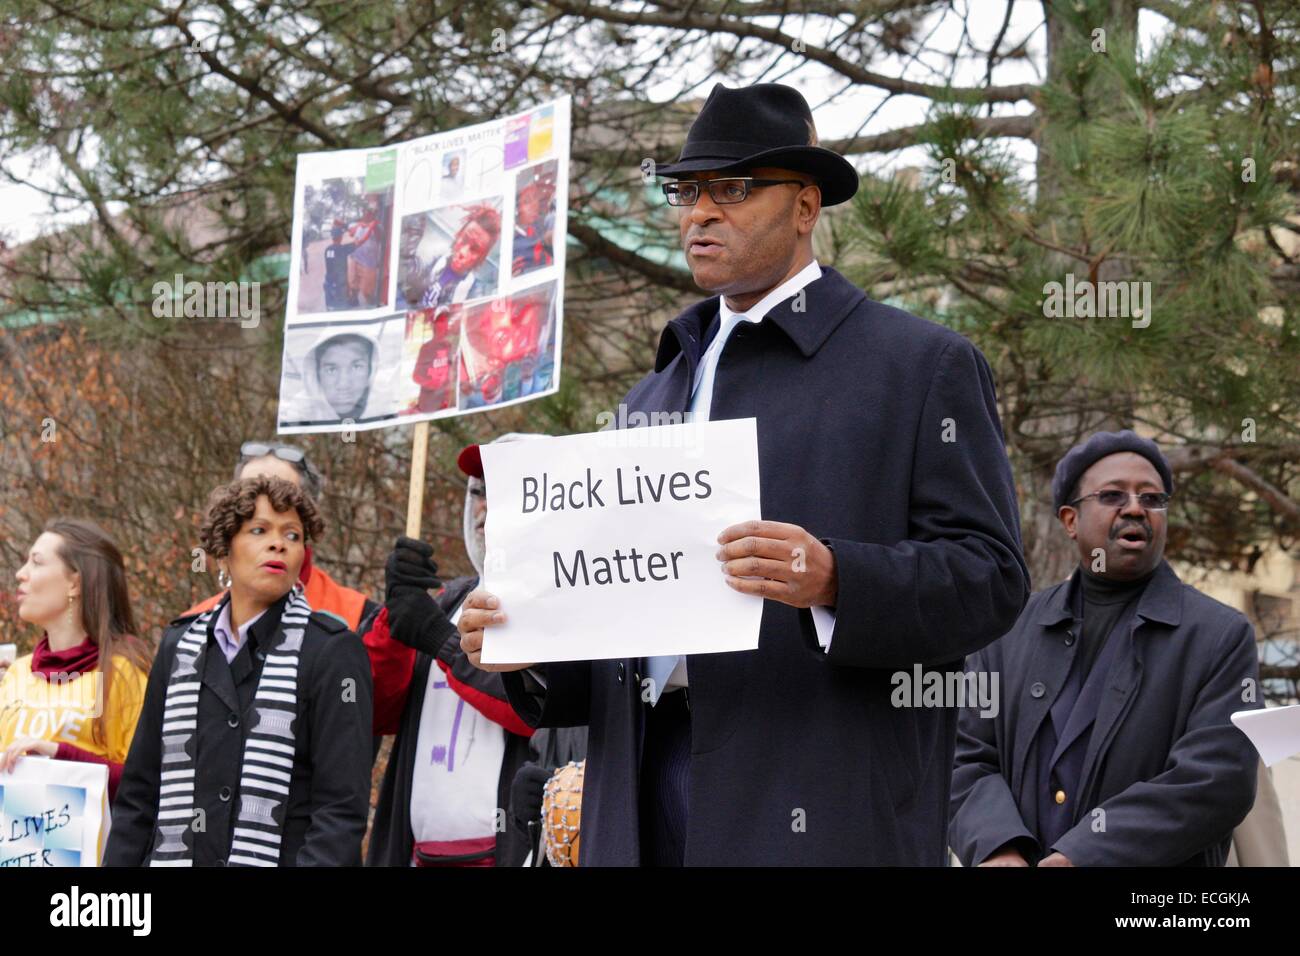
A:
(1087, 704)
(1117, 697)
(1161, 603)
(217, 677)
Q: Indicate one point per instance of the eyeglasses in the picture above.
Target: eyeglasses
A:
(1114, 498)
(257, 449)
(686, 192)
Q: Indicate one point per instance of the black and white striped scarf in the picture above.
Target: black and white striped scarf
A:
(267, 765)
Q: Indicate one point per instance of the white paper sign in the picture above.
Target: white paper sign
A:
(1275, 732)
(53, 813)
(603, 545)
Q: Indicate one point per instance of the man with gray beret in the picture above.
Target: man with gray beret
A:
(1112, 743)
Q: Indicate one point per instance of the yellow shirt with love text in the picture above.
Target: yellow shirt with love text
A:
(64, 709)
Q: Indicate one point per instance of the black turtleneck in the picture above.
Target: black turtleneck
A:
(1104, 602)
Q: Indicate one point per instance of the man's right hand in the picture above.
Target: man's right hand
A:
(480, 610)
(1005, 856)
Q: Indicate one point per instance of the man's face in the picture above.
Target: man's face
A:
(471, 246)
(478, 499)
(530, 206)
(344, 372)
(1133, 540)
(739, 248)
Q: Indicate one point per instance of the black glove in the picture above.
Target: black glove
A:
(526, 793)
(411, 564)
(414, 617)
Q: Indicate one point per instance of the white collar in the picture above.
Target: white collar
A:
(809, 273)
(223, 624)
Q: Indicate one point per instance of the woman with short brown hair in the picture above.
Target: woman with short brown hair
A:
(254, 745)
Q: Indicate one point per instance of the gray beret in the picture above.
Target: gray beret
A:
(1083, 455)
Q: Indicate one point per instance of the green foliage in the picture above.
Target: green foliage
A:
(1144, 176)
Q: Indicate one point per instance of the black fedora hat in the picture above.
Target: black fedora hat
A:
(766, 124)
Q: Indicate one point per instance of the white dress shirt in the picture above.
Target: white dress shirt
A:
(702, 401)
(229, 642)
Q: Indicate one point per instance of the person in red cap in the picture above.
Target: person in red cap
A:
(459, 744)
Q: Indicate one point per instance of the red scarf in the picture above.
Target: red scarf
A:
(75, 660)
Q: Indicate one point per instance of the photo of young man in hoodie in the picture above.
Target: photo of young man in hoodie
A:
(336, 373)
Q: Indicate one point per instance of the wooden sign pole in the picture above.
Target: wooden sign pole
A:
(415, 499)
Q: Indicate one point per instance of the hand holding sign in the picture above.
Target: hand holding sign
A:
(480, 610)
(21, 748)
(779, 561)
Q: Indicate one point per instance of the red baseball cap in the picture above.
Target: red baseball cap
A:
(470, 461)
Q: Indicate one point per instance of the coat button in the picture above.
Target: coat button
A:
(1069, 638)
(224, 793)
(1060, 796)
(1037, 689)
(221, 863)
(622, 672)
(233, 720)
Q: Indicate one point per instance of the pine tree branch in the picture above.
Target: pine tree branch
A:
(1226, 459)
(293, 115)
(777, 8)
(737, 27)
(1276, 498)
(660, 274)
(987, 127)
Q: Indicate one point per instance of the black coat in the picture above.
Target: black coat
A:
(391, 840)
(329, 794)
(1164, 762)
(797, 755)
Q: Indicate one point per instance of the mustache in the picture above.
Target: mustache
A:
(1141, 526)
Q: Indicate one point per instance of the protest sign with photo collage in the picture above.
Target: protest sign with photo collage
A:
(427, 277)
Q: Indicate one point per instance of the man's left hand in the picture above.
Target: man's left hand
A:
(1055, 859)
(778, 561)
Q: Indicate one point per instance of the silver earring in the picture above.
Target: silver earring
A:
(223, 578)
